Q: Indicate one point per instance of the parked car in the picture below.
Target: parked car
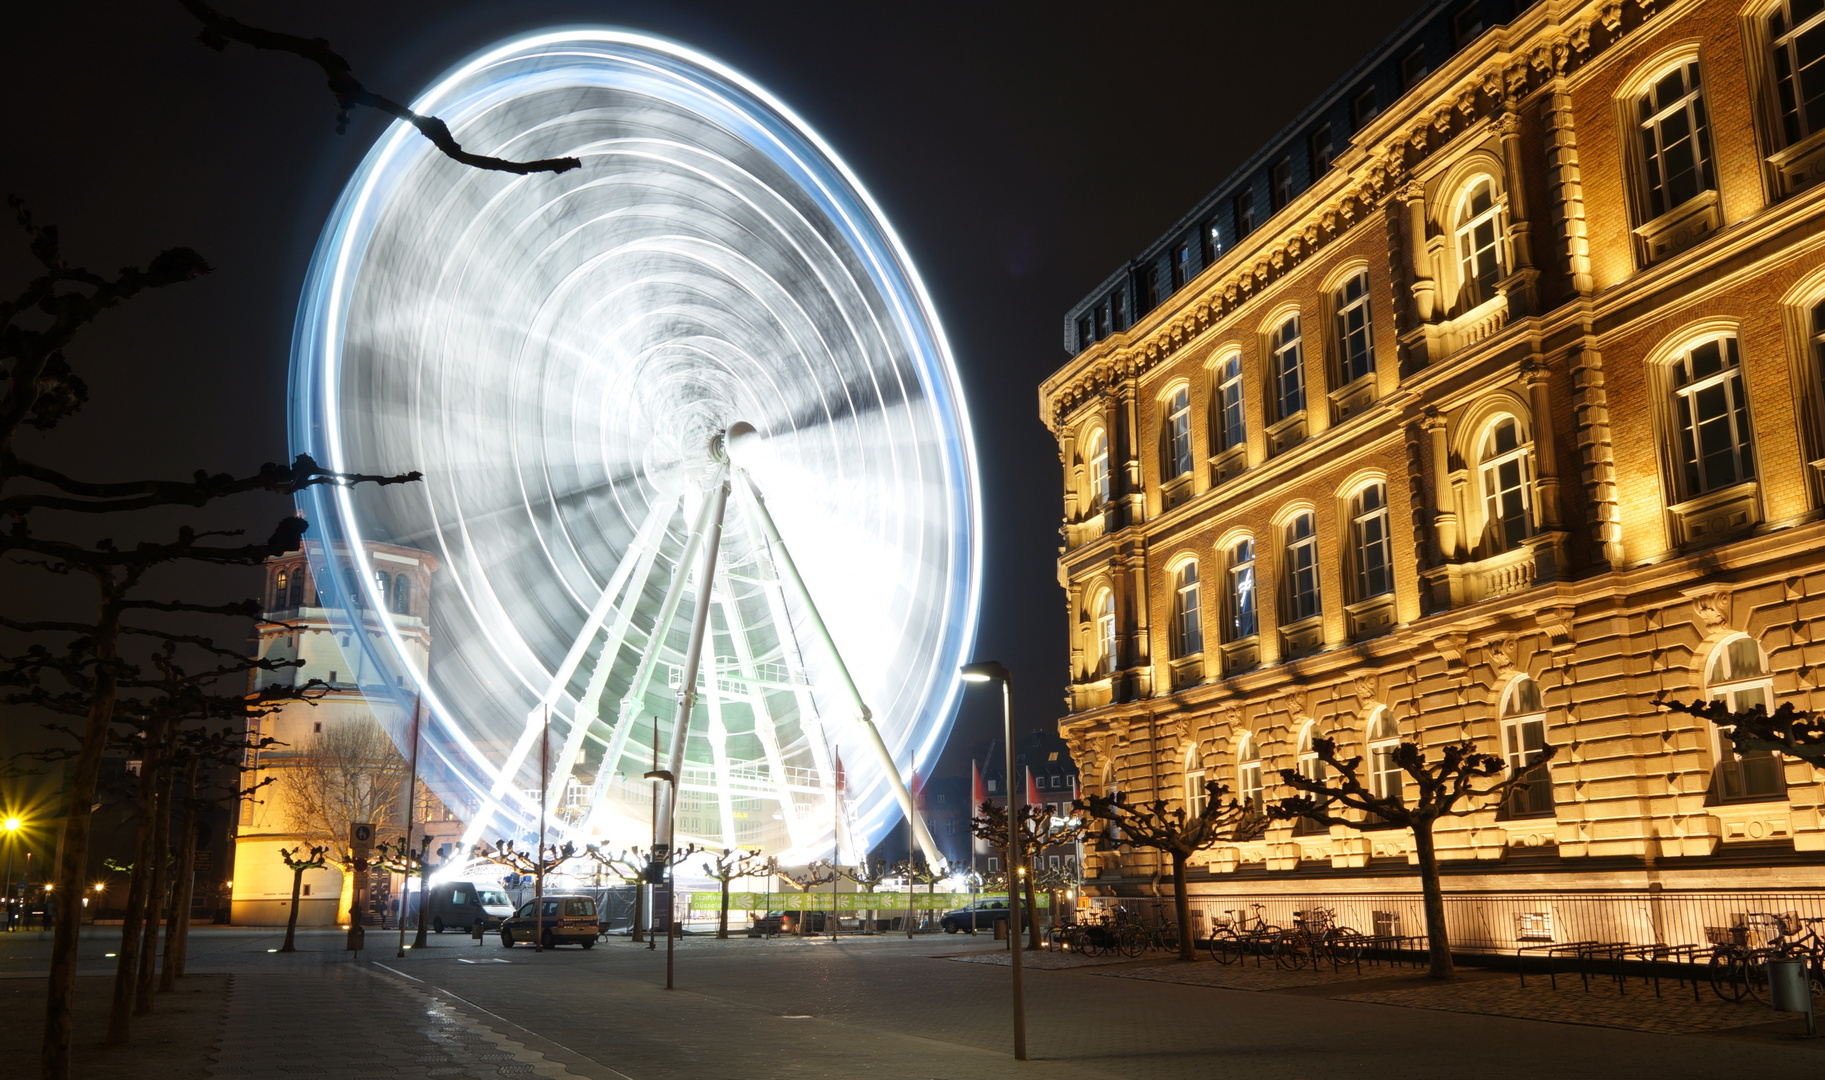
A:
(568, 920)
(981, 915)
(457, 904)
(786, 922)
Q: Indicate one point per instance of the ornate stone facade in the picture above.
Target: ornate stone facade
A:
(1578, 469)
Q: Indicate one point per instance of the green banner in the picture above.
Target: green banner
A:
(845, 901)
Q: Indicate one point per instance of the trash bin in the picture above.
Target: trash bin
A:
(1790, 989)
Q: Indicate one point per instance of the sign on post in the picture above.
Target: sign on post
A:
(361, 839)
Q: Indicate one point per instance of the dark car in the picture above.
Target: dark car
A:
(981, 915)
(787, 922)
(568, 920)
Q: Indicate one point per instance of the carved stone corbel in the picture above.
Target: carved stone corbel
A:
(1711, 604)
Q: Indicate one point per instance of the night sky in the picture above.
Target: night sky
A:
(1022, 151)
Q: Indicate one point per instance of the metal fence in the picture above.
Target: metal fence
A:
(1506, 921)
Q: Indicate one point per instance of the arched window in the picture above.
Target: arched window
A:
(1796, 46)
(1178, 434)
(1308, 765)
(1524, 735)
(297, 598)
(1738, 676)
(1302, 599)
(1355, 338)
(1242, 621)
(1099, 468)
(1249, 789)
(1477, 229)
(1505, 471)
(1196, 795)
(281, 589)
(1385, 779)
(383, 587)
(1374, 554)
(402, 595)
(1232, 428)
(1105, 631)
(1675, 140)
(1711, 409)
(1288, 367)
(1187, 627)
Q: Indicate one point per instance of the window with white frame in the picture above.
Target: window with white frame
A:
(1523, 736)
(1385, 781)
(1178, 433)
(1796, 45)
(1099, 468)
(1289, 368)
(1302, 600)
(1232, 428)
(1195, 793)
(1355, 339)
(1712, 412)
(1307, 764)
(1675, 140)
(1373, 550)
(1738, 676)
(1505, 471)
(1105, 631)
(1242, 622)
(1249, 789)
(1187, 628)
(1478, 234)
(281, 588)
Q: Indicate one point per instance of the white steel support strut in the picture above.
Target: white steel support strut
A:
(788, 570)
(693, 655)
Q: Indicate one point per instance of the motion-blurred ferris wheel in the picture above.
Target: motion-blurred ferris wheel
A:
(697, 468)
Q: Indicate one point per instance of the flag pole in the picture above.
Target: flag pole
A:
(405, 880)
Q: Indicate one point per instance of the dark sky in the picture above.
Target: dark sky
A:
(1023, 151)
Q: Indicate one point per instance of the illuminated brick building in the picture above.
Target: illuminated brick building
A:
(1485, 401)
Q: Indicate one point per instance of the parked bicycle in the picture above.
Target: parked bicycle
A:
(1316, 937)
(1234, 936)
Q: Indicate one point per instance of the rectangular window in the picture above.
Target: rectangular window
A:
(1506, 473)
(1289, 369)
(1197, 794)
(1150, 290)
(1213, 241)
(1522, 738)
(1675, 140)
(1302, 600)
(1187, 623)
(1232, 429)
(1282, 176)
(1467, 23)
(1713, 414)
(1364, 107)
(1322, 150)
(1796, 38)
(1178, 434)
(1374, 552)
(1181, 266)
(1355, 339)
(1102, 320)
(1086, 334)
(1118, 310)
(994, 864)
(1413, 68)
(1242, 620)
(1245, 213)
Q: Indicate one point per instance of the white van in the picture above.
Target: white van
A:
(457, 904)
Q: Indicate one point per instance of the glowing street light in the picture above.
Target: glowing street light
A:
(991, 671)
(11, 826)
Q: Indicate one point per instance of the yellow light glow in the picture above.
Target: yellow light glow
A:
(12, 824)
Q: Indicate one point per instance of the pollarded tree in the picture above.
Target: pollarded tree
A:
(1039, 828)
(1167, 827)
(630, 867)
(400, 859)
(298, 864)
(814, 875)
(1446, 786)
(925, 874)
(732, 866)
(1797, 733)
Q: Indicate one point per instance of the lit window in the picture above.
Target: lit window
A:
(383, 587)
(1289, 368)
(1178, 434)
(1196, 794)
(1248, 774)
(1099, 468)
(1374, 553)
(1308, 765)
(1796, 40)
(1385, 781)
(1506, 473)
(1355, 339)
(1242, 620)
(1282, 182)
(1738, 676)
(281, 588)
(1675, 140)
(1713, 417)
(1232, 428)
(1523, 736)
(1302, 600)
(1187, 627)
(1105, 631)
(1479, 242)
(1213, 241)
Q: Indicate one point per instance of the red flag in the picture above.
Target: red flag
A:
(918, 792)
(979, 792)
(1033, 798)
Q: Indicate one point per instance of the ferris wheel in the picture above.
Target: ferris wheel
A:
(697, 470)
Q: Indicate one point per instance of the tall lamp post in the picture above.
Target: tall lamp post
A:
(991, 671)
(11, 825)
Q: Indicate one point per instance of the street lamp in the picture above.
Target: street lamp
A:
(662, 855)
(991, 671)
(11, 826)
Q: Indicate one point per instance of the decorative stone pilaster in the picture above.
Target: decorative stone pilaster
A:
(1419, 260)
(1566, 190)
(1520, 287)
(1538, 380)
(1444, 503)
(1597, 461)
(1067, 456)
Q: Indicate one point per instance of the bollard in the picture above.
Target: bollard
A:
(1790, 990)
(477, 932)
(1001, 929)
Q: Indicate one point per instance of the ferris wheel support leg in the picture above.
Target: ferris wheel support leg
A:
(693, 657)
(864, 716)
(765, 729)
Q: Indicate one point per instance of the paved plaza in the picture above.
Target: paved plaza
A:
(931, 1008)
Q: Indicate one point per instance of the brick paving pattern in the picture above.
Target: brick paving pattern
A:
(1674, 1013)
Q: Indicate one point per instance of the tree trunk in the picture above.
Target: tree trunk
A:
(161, 856)
(1032, 913)
(639, 909)
(139, 887)
(1438, 945)
(1181, 907)
(177, 934)
(73, 848)
(291, 924)
(722, 920)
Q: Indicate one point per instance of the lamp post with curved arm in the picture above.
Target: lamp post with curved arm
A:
(991, 671)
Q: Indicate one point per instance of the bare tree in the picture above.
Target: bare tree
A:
(813, 876)
(1798, 733)
(1446, 786)
(401, 859)
(347, 773)
(1039, 828)
(1167, 826)
(732, 866)
(298, 864)
(630, 867)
